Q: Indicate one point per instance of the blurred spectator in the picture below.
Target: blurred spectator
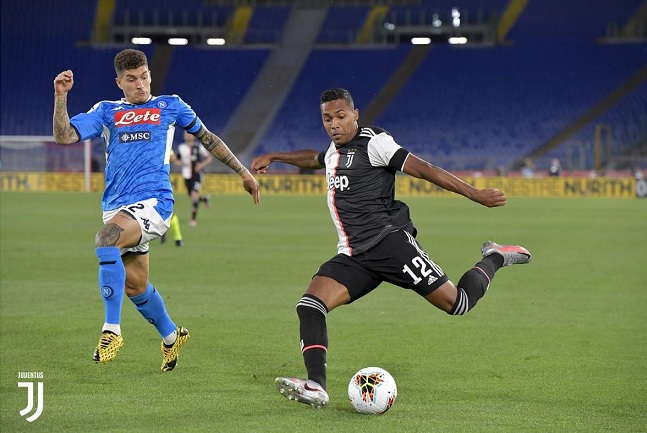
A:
(528, 168)
(555, 168)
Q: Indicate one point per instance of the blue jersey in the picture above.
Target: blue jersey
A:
(138, 139)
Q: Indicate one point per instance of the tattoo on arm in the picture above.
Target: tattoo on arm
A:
(219, 149)
(63, 131)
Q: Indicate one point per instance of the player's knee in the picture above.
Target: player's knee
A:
(309, 305)
(108, 236)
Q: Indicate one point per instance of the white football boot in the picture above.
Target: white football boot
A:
(303, 391)
(512, 254)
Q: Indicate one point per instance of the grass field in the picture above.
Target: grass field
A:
(559, 345)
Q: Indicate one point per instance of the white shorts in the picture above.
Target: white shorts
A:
(153, 216)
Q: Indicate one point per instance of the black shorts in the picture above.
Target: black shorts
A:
(396, 259)
(194, 183)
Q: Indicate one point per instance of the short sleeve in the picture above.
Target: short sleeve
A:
(186, 117)
(384, 151)
(90, 124)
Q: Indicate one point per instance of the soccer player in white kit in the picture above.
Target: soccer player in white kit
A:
(138, 199)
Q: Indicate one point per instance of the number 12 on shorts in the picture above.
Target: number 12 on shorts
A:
(424, 268)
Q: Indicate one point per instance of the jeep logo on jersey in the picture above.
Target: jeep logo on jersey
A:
(127, 137)
(140, 116)
(337, 182)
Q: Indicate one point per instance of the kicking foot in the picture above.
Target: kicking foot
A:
(512, 254)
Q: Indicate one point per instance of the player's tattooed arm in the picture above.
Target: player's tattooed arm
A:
(219, 149)
(64, 133)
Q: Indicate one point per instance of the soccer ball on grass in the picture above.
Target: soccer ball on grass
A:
(372, 390)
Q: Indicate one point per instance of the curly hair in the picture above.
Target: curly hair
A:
(129, 59)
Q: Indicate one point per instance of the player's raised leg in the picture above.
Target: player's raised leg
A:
(475, 282)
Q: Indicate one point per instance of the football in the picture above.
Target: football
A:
(372, 390)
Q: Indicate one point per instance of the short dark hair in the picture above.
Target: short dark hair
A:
(335, 94)
(129, 59)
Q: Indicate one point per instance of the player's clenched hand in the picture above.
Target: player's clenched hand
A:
(260, 164)
(491, 197)
(251, 186)
(63, 82)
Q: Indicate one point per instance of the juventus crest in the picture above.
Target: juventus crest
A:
(350, 155)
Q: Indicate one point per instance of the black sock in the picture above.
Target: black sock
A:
(474, 283)
(493, 260)
(194, 209)
(314, 337)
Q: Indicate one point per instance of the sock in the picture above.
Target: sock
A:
(111, 327)
(175, 228)
(112, 280)
(151, 305)
(169, 340)
(314, 337)
(474, 283)
(194, 209)
(493, 261)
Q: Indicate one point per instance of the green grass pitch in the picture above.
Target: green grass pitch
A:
(559, 345)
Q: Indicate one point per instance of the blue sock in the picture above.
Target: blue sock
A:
(112, 280)
(151, 305)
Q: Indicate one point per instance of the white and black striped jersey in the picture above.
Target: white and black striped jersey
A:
(190, 156)
(361, 189)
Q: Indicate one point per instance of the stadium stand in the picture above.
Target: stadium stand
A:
(364, 73)
(215, 87)
(542, 92)
(265, 25)
(342, 24)
(34, 47)
(504, 101)
(170, 13)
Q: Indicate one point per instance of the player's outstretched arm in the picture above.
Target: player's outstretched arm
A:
(306, 158)
(63, 131)
(221, 151)
(421, 169)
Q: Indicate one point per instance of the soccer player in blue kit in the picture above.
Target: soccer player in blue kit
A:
(138, 198)
(377, 239)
